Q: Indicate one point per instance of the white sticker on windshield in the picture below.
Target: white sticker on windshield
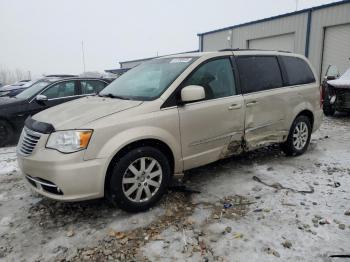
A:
(180, 60)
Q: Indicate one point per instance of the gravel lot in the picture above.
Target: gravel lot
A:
(234, 218)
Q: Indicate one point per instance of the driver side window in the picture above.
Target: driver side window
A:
(216, 77)
(59, 90)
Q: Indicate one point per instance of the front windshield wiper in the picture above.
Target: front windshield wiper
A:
(114, 96)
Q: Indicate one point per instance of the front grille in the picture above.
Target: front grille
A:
(28, 141)
(343, 98)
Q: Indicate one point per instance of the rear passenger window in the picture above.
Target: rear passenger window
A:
(91, 86)
(216, 77)
(259, 73)
(298, 71)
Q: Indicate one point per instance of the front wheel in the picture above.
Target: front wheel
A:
(299, 137)
(328, 110)
(139, 179)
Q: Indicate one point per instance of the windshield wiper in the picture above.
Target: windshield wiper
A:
(114, 96)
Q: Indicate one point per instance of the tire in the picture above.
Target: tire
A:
(292, 147)
(127, 186)
(6, 133)
(328, 110)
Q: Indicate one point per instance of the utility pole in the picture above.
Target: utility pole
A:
(296, 5)
(83, 55)
(29, 75)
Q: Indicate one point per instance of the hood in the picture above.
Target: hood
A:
(6, 102)
(10, 88)
(341, 82)
(78, 112)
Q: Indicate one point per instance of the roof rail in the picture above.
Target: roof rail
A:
(61, 75)
(240, 49)
(247, 49)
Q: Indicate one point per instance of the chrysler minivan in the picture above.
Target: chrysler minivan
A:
(166, 116)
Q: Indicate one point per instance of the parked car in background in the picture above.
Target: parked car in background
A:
(166, 116)
(43, 94)
(15, 89)
(336, 91)
(18, 87)
(21, 82)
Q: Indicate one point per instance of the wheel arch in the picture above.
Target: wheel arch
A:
(11, 137)
(152, 142)
(308, 113)
(7, 121)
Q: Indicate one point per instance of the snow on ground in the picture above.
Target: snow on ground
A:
(260, 223)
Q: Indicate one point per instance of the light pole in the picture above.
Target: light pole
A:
(83, 55)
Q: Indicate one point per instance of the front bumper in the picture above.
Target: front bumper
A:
(65, 177)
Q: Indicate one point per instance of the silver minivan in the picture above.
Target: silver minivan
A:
(167, 116)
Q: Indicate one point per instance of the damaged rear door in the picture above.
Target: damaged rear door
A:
(266, 103)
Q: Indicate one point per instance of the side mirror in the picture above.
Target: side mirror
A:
(41, 98)
(330, 77)
(192, 93)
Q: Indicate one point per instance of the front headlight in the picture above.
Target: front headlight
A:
(69, 141)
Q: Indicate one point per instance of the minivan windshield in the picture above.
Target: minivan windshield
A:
(148, 80)
(34, 89)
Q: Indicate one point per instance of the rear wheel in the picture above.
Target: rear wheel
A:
(299, 137)
(139, 179)
(6, 133)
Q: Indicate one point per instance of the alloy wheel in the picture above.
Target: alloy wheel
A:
(300, 135)
(142, 179)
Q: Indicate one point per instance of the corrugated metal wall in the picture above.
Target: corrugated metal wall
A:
(293, 24)
(336, 48)
(217, 41)
(239, 37)
(321, 19)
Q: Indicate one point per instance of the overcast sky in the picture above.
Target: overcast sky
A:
(45, 36)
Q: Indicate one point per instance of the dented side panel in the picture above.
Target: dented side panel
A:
(209, 127)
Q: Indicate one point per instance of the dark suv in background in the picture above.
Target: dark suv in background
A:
(45, 93)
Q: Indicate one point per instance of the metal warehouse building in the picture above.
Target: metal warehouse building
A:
(320, 33)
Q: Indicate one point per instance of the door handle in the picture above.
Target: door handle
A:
(252, 103)
(234, 106)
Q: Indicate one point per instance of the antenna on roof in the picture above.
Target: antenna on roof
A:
(296, 5)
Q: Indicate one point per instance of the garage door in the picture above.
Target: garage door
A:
(283, 42)
(336, 48)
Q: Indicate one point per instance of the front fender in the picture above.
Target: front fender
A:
(128, 136)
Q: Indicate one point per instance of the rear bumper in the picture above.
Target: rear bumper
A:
(64, 177)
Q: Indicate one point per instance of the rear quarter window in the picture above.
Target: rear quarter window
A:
(298, 71)
(259, 73)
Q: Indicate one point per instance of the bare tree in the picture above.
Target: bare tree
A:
(20, 74)
(11, 76)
